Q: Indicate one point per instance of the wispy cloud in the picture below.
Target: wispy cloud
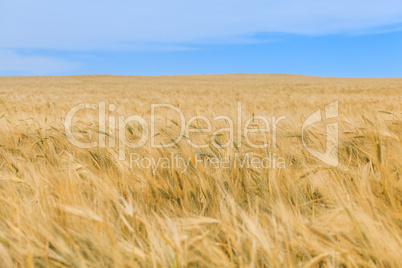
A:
(12, 62)
(45, 37)
(120, 25)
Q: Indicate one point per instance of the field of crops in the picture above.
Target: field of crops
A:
(205, 200)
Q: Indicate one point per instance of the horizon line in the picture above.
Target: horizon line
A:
(202, 74)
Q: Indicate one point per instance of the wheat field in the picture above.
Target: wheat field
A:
(65, 206)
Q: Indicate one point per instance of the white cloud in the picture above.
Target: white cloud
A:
(12, 62)
(124, 24)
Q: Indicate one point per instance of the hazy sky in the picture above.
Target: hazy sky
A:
(154, 37)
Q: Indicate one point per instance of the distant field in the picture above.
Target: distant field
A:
(66, 206)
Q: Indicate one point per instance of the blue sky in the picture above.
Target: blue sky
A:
(155, 37)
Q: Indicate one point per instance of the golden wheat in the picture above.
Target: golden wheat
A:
(63, 206)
